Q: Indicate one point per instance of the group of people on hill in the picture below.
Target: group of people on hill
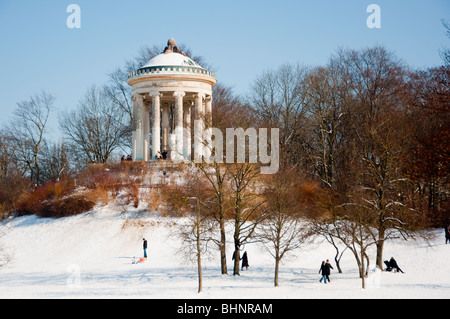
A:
(325, 268)
(160, 155)
(128, 158)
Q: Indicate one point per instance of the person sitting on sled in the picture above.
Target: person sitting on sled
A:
(392, 264)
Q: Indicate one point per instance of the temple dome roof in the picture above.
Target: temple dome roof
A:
(171, 59)
(170, 65)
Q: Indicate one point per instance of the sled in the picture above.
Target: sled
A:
(142, 259)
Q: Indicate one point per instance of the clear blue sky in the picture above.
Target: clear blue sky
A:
(240, 39)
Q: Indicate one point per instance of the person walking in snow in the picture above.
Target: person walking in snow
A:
(328, 268)
(447, 235)
(145, 247)
(244, 261)
(323, 270)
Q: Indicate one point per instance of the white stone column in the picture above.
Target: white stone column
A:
(198, 127)
(138, 127)
(208, 127)
(146, 128)
(156, 128)
(187, 130)
(165, 127)
(178, 125)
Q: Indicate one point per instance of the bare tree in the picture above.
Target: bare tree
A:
(343, 219)
(96, 128)
(376, 114)
(228, 112)
(216, 175)
(428, 159)
(326, 99)
(27, 130)
(13, 180)
(119, 91)
(195, 231)
(277, 97)
(55, 163)
(328, 231)
(4, 157)
(284, 228)
(354, 228)
(247, 204)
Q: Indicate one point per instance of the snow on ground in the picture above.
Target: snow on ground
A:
(90, 256)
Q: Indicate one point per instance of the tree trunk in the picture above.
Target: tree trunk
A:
(277, 267)
(199, 256)
(199, 265)
(358, 261)
(223, 254)
(337, 260)
(237, 253)
(380, 246)
(237, 244)
(362, 270)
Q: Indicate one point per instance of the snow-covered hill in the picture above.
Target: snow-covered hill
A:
(90, 256)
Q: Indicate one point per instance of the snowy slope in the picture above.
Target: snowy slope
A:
(90, 256)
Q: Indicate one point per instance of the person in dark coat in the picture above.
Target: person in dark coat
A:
(145, 247)
(392, 264)
(328, 268)
(323, 270)
(244, 261)
(447, 234)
